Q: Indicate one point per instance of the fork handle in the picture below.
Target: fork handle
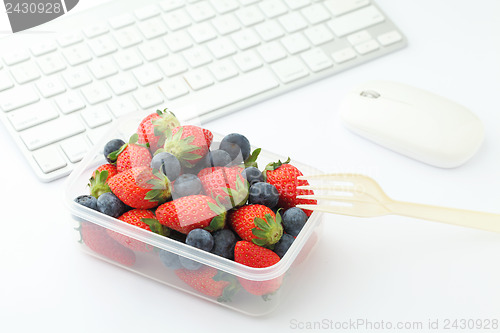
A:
(461, 217)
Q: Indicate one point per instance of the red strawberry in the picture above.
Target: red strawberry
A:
(188, 143)
(153, 128)
(225, 183)
(208, 281)
(131, 156)
(194, 211)
(284, 177)
(257, 224)
(250, 254)
(141, 218)
(98, 183)
(96, 238)
(141, 187)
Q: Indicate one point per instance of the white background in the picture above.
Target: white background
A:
(382, 269)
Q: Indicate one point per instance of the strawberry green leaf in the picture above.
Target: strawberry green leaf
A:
(113, 156)
(252, 159)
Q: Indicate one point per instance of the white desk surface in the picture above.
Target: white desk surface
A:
(390, 269)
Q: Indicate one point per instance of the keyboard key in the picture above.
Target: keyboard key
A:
(202, 32)
(69, 38)
(178, 41)
(147, 12)
(355, 21)
(293, 22)
(272, 8)
(153, 50)
(102, 68)
(367, 47)
(121, 21)
(50, 86)
(127, 59)
(339, 7)
(225, 6)
(127, 37)
(77, 54)
(200, 11)
(75, 148)
(272, 52)
(344, 55)
(247, 61)
(25, 72)
(290, 69)
(315, 13)
(95, 93)
(96, 134)
(168, 5)
(177, 19)
(226, 24)
(95, 116)
(148, 97)
(318, 34)
(122, 84)
(316, 60)
(102, 45)
(221, 47)
(173, 65)
(249, 15)
(389, 38)
(121, 106)
(245, 39)
(296, 4)
(359, 37)
(198, 79)
(95, 30)
(5, 81)
(21, 96)
(51, 63)
(42, 48)
(223, 70)
(197, 56)
(32, 115)
(147, 74)
(76, 77)
(69, 102)
(269, 30)
(53, 131)
(15, 57)
(173, 88)
(49, 159)
(152, 28)
(295, 43)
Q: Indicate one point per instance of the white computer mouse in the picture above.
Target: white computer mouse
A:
(413, 122)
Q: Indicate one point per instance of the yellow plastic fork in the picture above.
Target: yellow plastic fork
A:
(359, 195)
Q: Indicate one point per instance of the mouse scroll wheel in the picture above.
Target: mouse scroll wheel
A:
(370, 94)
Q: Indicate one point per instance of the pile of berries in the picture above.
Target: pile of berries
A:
(173, 180)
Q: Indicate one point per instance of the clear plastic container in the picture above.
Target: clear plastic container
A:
(145, 259)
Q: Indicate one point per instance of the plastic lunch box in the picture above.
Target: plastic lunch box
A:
(148, 264)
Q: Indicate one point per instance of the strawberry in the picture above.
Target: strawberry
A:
(283, 176)
(250, 254)
(257, 224)
(141, 218)
(225, 183)
(131, 155)
(96, 238)
(193, 211)
(98, 183)
(141, 187)
(208, 281)
(188, 143)
(153, 128)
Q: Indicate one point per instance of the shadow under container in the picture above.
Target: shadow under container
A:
(139, 250)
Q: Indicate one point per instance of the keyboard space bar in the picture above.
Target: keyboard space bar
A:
(224, 94)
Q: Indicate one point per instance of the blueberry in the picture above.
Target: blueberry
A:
(283, 245)
(186, 184)
(236, 144)
(224, 242)
(263, 194)
(168, 164)
(293, 220)
(252, 175)
(109, 204)
(87, 201)
(201, 239)
(218, 157)
(189, 264)
(169, 259)
(112, 146)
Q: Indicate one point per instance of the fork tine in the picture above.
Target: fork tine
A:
(341, 210)
(333, 176)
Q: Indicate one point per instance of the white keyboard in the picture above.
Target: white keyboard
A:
(61, 92)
